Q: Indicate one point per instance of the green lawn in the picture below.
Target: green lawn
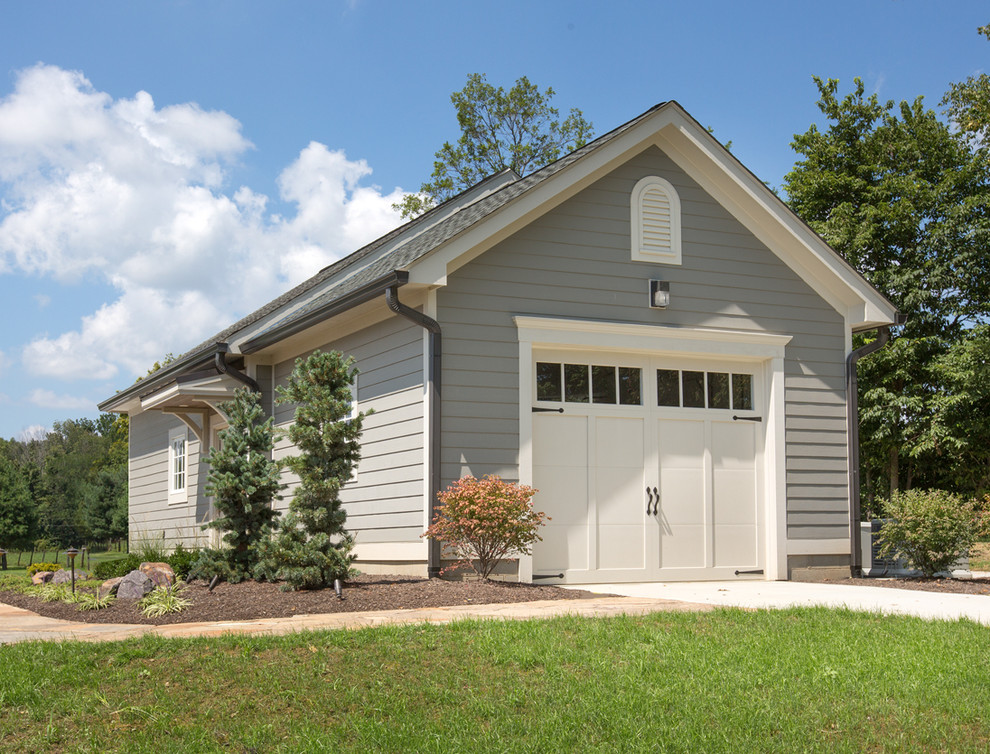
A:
(91, 560)
(730, 681)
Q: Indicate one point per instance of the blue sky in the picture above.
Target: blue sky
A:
(166, 167)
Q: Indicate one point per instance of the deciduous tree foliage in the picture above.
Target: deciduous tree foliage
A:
(76, 477)
(311, 548)
(18, 518)
(906, 200)
(243, 479)
(518, 129)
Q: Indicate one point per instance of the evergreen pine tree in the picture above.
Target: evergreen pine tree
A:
(311, 547)
(243, 479)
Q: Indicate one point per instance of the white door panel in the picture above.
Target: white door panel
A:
(597, 467)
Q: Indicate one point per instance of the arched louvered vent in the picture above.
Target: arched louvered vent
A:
(656, 222)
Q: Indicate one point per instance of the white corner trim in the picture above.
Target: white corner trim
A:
(621, 336)
(776, 472)
(525, 457)
(818, 546)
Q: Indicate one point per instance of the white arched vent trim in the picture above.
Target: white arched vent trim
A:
(656, 221)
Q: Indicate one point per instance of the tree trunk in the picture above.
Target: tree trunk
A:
(894, 470)
(31, 559)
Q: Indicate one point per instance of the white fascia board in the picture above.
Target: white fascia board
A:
(161, 398)
(621, 336)
(765, 216)
(699, 155)
(433, 268)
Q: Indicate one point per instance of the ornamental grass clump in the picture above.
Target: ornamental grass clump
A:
(164, 600)
(930, 529)
(482, 521)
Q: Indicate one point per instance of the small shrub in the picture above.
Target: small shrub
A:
(164, 600)
(93, 600)
(182, 560)
(35, 567)
(111, 569)
(930, 529)
(211, 562)
(482, 521)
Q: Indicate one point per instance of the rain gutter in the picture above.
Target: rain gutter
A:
(852, 432)
(433, 391)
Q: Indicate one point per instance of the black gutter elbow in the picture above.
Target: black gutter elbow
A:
(433, 387)
(222, 367)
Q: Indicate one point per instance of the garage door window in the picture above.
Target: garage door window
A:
(691, 389)
(589, 383)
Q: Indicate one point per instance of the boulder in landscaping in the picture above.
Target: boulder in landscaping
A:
(65, 576)
(134, 586)
(42, 577)
(110, 586)
(160, 573)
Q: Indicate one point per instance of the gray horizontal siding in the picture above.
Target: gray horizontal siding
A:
(385, 501)
(150, 513)
(575, 262)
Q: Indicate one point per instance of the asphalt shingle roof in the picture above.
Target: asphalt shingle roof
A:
(432, 234)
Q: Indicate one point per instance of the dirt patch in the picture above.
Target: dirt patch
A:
(251, 599)
(956, 586)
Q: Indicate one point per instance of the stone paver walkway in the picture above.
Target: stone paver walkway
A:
(17, 624)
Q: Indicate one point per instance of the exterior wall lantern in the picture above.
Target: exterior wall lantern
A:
(71, 555)
(659, 294)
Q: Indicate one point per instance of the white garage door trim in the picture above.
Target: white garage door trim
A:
(683, 342)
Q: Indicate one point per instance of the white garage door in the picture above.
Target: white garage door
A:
(649, 468)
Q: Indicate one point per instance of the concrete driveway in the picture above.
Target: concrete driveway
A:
(778, 594)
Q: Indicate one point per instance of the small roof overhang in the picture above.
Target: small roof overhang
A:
(193, 398)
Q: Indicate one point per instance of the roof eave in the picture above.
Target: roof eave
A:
(365, 293)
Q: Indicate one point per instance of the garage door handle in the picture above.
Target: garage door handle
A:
(649, 501)
(656, 502)
(541, 410)
(747, 418)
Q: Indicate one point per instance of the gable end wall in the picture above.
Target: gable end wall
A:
(575, 261)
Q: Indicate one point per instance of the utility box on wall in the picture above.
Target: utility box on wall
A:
(876, 566)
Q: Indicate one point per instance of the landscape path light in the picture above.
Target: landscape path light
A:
(71, 554)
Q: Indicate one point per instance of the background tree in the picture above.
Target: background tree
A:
(967, 104)
(76, 477)
(905, 199)
(243, 479)
(311, 548)
(18, 519)
(517, 129)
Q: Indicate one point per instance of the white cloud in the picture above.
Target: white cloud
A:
(49, 399)
(136, 195)
(42, 300)
(33, 432)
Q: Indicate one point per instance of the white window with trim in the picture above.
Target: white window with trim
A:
(656, 221)
(178, 465)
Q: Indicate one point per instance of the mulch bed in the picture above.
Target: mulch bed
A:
(251, 599)
(956, 586)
